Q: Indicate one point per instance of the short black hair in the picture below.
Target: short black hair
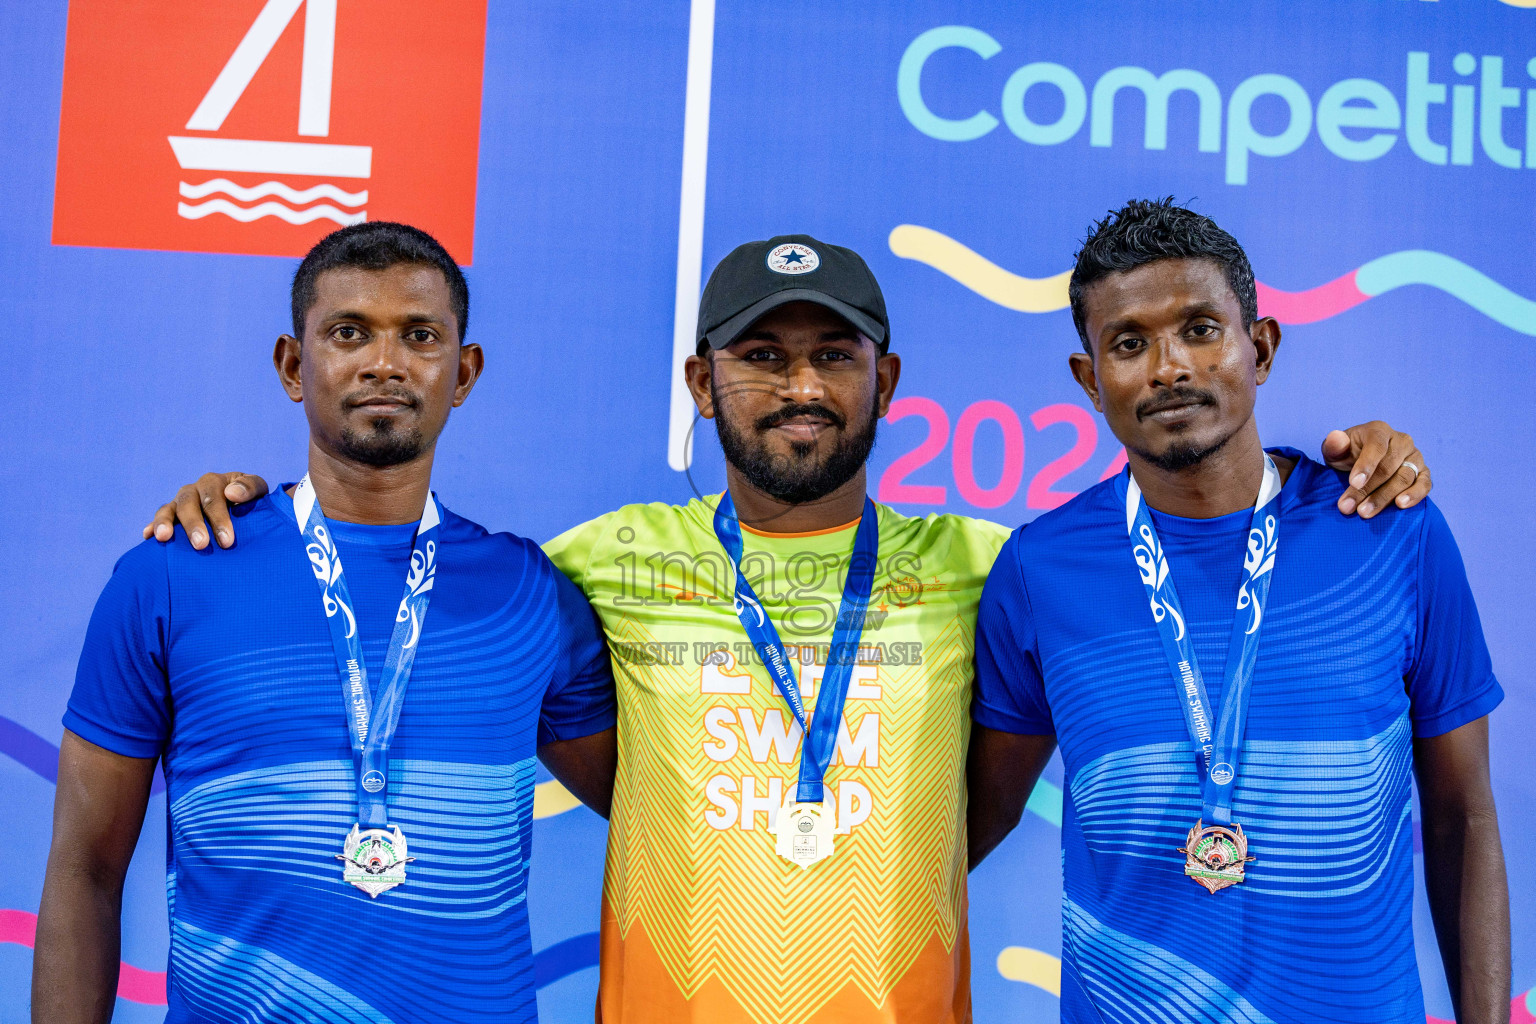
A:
(377, 245)
(1147, 230)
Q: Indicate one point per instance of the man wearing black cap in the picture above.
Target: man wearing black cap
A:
(758, 871)
(753, 877)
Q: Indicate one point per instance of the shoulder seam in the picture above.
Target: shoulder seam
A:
(1418, 586)
(586, 564)
(170, 611)
(1018, 567)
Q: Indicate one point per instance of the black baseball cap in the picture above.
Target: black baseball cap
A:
(760, 276)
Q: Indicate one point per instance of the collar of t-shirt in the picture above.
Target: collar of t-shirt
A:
(375, 558)
(1205, 559)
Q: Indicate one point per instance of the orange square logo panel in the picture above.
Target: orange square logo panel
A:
(259, 126)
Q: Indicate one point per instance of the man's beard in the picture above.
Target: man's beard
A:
(385, 445)
(795, 480)
(1182, 456)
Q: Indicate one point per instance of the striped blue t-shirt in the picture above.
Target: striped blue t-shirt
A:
(220, 662)
(1370, 638)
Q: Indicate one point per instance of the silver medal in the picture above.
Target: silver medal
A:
(374, 860)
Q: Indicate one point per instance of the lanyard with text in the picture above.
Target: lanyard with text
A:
(374, 858)
(806, 823)
(1215, 854)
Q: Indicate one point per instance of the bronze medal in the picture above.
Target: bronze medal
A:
(1215, 855)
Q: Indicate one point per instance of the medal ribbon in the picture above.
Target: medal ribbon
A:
(821, 731)
(370, 721)
(1219, 750)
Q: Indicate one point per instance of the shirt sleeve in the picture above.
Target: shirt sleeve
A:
(121, 699)
(1010, 690)
(580, 699)
(1450, 681)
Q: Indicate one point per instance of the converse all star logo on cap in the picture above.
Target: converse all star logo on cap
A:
(793, 258)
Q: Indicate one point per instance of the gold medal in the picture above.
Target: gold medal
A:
(804, 831)
(1215, 855)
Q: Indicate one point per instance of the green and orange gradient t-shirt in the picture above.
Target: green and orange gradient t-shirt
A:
(702, 920)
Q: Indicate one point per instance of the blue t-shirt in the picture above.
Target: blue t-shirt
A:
(1370, 638)
(220, 662)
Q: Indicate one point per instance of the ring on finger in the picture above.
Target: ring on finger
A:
(1409, 465)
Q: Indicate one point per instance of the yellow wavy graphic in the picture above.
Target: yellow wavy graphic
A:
(1032, 967)
(1520, 3)
(979, 274)
(550, 798)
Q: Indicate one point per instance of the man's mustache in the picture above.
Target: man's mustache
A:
(1173, 398)
(789, 412)
(357, 398)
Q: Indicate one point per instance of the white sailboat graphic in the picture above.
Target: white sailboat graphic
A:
(255, 156)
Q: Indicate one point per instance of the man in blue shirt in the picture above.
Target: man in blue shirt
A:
(1241, 681)
(343, 847)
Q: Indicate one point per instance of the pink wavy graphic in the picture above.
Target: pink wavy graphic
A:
(133, 983)
(1411, 267)
(1310, 306)
(1400, 270)
(1519, 1011)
